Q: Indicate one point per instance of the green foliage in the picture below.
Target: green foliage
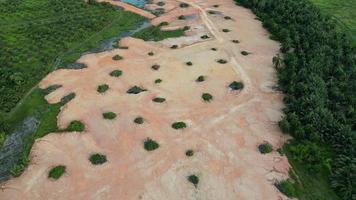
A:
(200, 79)
(2, 138)
(221, 61)
(109, 115)
(193, 179)
(57, 171)
(189, 153)
(135, 90)
(154, 33)
(161, 3)
(244, 53)
(211, 12)
(116, 73)
(204, 37)
(214, 49)
(189, 63)
(207, 97)
(235, 41)
(179, 125)
(150, 53)
(117, 57)
(102, 88)
(183, 5)
(225, 30)
(150, 144)
(286, 187)
(155, 67)
(227, 17)
(76, 126)
(174, 46)
(139, 120)
(158, 80)
(181, 17)
(236, 85)
(158, 99)
(38, 36)
(265, 148)
(97, 159)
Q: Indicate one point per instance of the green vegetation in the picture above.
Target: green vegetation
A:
(109, 115)
(158, 99)
(211, 12)
(221, 61)
(38, 36)
(227, 17)
(207, 97)
(179, 125)
(117, 57)
(204, 37)
(225, 30)
(174, 46)
(102, 88)
(76, 126)
(189, 153)
(265, 148)
(189, 63)
(214, 49)
(183, 5)
(150, 53)
(158, 80)
(161, 3)
(150, 144)
(116, 73)
(193, 179)
(135, 90)
(286, 187)
(343, 12)
(155, 67)
(2, 138)
(200, 79)
(139, 120)
(317, 76)
(235, 41)
(245, 53)
(97, 159)
(57, 171)
(154, 33)
(236, 85)
(181, 17)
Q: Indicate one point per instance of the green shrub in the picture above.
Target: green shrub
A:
(163, 24)
(189, 153)
(67, 98)
(2, 138)
(183, 5)
(286, 187)
(161, 3)
(221, 61)
(236, 85)
(135, 90)
(154, 33)
(158, 99)
(204, 37)
(139, 120)
(57, 171)
(265, 148)
(214, 49)
(215, 6)
(158, 80)
(117, 57)
(193, 179)
(235, 41)
(227, 17)
(155, 67)
(245, 53)
(97, 159)
(225, 30)
(150, 144)
(200, 79)
(174, 46)
(17, 169)
(116, 73)
(150, 53)
(211, 12)
(185, 28)
(109, 115)
(179, 125)
(189, 63)
(102, 88)
(207, 97)
(76, 126)
(181, 17)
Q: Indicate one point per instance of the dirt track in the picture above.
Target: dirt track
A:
(224, 133)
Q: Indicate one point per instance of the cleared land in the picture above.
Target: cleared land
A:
(148, 160)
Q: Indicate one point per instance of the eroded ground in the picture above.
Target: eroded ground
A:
(223, 133)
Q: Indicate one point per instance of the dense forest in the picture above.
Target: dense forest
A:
(36, 34)
(317, 74)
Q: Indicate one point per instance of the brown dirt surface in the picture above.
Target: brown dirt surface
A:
(223, 133)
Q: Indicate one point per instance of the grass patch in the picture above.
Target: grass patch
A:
(158, 81)
(116, 73)
(154, 33)
(207, 97)
(109, 115)
(189, 153)
(286, 187)
(102, 88)
(200, 79)
(2, 138)
(265, 148)
(97, 159)
(117, 57)
(150, 144)
(139, 120)
(236, 85)
(179, 125)
(158, 99)
(76, 126)
(135, 90)
(57, 171)
(194, 180)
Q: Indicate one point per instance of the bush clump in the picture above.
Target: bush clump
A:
(155, 67)
(56, 172)
(117, 57)
(102, 88)
(174, 46)
(150, 144)
(139, 120)
(225, 30)
(286, 187)
(235, 41)
(189, 63)
(214, 49)
(227, 17)
(204, 37)
(221, 61)
(109, 115)
(76, 126)
(158, 80)
(215, 6)
(181, 17)
(245, 53)
(185, 28)
(193, 179)
(161, 3)
(183, 5)
(200, 79)
(211, 12)
(236, 85)
(265, 148)
(158, 99)
(150, 53)
(189, 153)
(207, 97)
(97, 159)
(163, 24)
(116, 73)
(135, 90)
(179, 125)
